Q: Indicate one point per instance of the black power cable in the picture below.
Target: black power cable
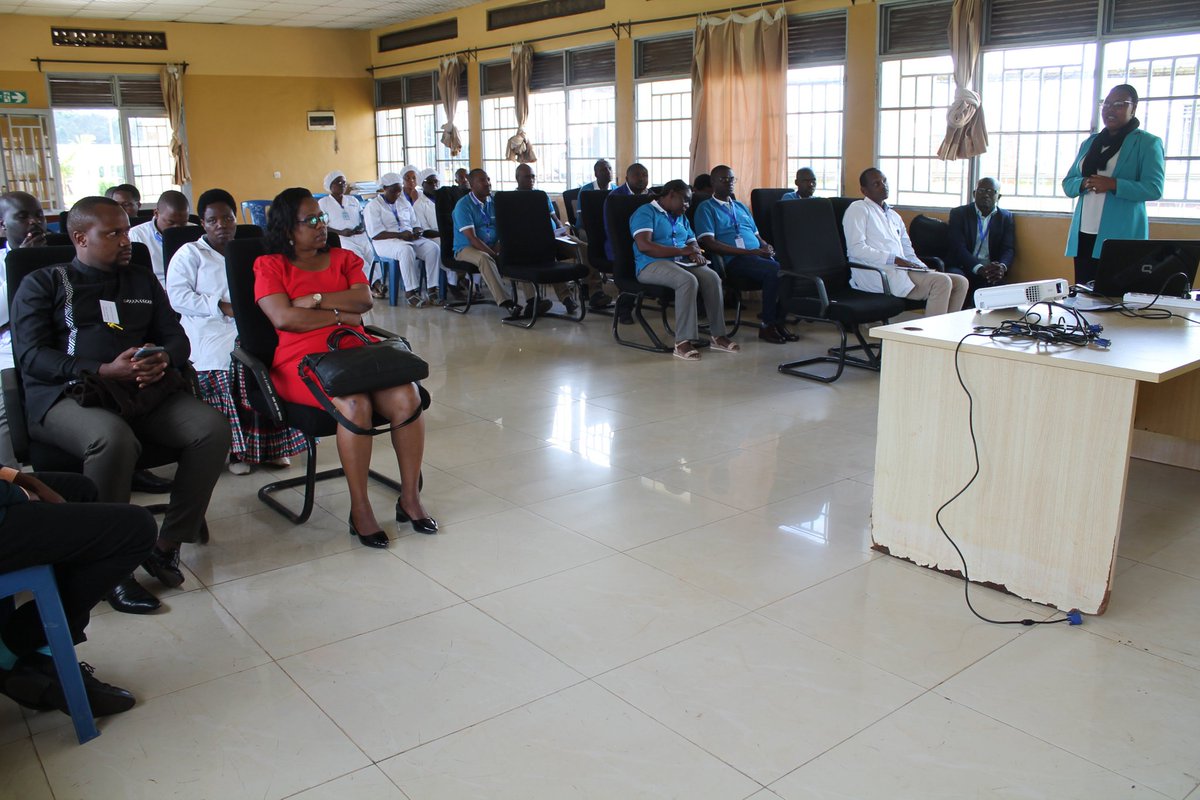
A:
(1079, 333)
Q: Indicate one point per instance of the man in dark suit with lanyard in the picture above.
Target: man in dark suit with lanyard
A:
(982, 238)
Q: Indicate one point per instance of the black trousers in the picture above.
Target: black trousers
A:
(91, 546)
(1085, 263)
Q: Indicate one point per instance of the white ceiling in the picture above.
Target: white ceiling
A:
(361, 14)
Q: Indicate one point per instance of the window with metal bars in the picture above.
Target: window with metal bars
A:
(815, 98)
(572, 117)
(408, 125)
(662, 109)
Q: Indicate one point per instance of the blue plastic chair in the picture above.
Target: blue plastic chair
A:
(255, 212)
(40, 581)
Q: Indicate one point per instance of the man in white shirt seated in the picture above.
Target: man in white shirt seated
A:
(346, 218)
(876, 237)
(396, 234)
(171, 212)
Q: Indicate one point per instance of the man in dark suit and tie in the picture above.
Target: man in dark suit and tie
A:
(982, 238)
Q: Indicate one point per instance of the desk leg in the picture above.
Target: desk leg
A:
(1042, 519)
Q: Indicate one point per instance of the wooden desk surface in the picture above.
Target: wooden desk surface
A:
(1142, 349)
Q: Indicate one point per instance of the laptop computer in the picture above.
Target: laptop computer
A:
(1150, 266)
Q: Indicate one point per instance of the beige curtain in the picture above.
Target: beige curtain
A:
(171, 79)
(519, 147)
(448, 76)
(966, 132)
(739, 103)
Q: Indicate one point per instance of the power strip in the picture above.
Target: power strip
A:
(1175, 303)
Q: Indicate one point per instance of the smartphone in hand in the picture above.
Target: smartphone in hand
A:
(146, 352)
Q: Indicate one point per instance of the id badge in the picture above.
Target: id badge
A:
(739, 243)
(108, 312)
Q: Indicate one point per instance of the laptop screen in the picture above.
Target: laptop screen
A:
(1149, 266)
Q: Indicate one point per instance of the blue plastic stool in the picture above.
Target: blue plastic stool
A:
(395, 283)
(40, 581)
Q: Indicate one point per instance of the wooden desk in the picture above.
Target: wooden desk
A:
(1056, 428)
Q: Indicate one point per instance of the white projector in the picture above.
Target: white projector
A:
(1012, 295)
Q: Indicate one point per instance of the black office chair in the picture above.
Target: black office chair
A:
(175, 238)
(930, 239)
(620, 208)
(257, 340)
(761, 203)
(809, 249)
(529, 253)
(591, 217)
(42, 456)
(571, 201)
(447, 199)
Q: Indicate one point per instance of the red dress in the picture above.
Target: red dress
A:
(274, 274)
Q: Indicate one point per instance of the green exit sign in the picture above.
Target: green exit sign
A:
(13, 98)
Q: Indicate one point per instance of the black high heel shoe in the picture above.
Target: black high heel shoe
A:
(423, 525)
(377, 539)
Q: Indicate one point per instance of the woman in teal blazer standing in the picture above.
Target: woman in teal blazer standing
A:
(1117, 171)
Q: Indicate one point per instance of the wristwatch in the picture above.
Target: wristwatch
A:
(316, 299)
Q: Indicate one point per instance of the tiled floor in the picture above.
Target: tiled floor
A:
(653, 581)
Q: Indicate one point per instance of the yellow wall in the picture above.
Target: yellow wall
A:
(246, 92)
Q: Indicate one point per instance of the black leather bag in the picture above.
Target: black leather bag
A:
(354, 370)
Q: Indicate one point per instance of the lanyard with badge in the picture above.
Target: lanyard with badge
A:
(484, 220)
(738, 241)
(983, 232)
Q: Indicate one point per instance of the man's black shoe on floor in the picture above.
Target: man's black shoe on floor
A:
(164, 567)
(34, 683)
(130, 597)
(146, 481)
(543, 307)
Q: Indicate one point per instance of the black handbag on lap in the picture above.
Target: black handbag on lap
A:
(354, 370)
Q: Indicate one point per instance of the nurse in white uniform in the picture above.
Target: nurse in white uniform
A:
(346, 219)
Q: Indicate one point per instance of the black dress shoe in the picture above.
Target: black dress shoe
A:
(782, 330)
(422, 525)
(146, 481)
(770, 334)
(599, 301)
(34, 683)
(377, 539)
(130, 597)
(570, 305)
(543, 307)
(164, 567)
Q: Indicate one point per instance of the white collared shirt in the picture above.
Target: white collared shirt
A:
(380, 216)
(196, 285)
(876, 236)
(148, 234)
(346, 215)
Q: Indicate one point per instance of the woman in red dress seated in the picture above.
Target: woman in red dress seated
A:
(307, 289)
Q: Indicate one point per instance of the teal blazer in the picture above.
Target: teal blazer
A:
(1139, 177)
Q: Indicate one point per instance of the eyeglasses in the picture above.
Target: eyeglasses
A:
(315, 220)
(986, 192)
(1118, 105)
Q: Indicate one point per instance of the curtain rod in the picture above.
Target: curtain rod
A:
(40, 61)
(615, 27)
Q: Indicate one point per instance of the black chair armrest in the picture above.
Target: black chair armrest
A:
(261, 373)
(887, 285)
(816, 282)
(14, 405)
(933, 262)
(382, 333)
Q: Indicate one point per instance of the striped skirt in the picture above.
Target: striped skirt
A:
(256, 439)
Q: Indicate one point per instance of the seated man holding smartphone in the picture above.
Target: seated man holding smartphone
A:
(101, 354)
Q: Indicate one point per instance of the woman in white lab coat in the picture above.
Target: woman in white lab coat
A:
(199, 291)
(346, 219)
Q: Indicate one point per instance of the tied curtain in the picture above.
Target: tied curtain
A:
(739, 103)
(519, 147)
(449, 74)
(966, 132)
(171, 80)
